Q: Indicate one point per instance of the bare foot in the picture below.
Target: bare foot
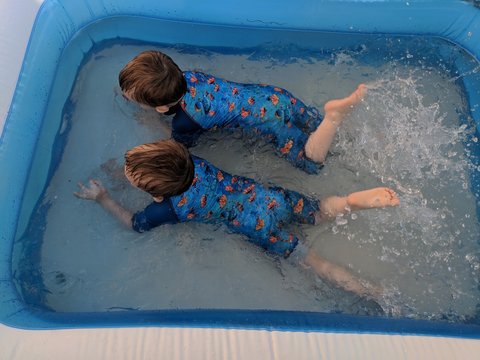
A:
(337, 109)
(374, 291)
(373, 198)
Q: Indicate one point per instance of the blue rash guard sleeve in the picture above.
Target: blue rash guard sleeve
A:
(184, 129)
(155, 214)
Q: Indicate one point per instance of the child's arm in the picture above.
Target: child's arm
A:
(99, 193)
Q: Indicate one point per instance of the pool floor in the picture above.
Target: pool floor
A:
(407, 134)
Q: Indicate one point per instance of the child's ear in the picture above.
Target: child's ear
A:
(158, 198)
(161, 109)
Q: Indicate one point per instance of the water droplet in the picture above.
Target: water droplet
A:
(340, 221)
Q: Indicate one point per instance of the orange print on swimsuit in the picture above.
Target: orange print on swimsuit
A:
(293, 101)
(273, 239)
(197, 107)
(190, 216)
(220, 176)
(193, 91)
(210, 96)
(244, 113)
(302, 110)
(195, 179)
(228, 188)
(203, 201)
(234, 180)
(211, 113)
(236, 222)
(252, 197)
(262, 112)
(277, 89)
(234, 91)
(249, 189)
(300, 154)
(260, 224)
(222, 201)
(290, 238)
(193, 79)
(231, 106)
(209, 214)
(216, 87)
(251, 100)
(239, 207)
(182, 201)
(210, 80)
(274, 99)
(286, 148)
(298, 208)
(272, 204)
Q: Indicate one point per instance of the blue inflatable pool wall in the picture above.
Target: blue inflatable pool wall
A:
(222, 23)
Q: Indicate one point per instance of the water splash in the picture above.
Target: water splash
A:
(412, 142)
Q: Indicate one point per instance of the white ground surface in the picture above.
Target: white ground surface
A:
(173, 343)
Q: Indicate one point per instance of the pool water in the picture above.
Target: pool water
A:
(412, 132)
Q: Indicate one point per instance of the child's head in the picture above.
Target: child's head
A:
(164, 168)
(152, 78)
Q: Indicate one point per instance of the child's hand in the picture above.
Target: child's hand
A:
(96, 191)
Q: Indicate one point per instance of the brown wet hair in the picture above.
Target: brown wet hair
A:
(152, 78)
(163, 168)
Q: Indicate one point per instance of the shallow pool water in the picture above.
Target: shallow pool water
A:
(411, 133)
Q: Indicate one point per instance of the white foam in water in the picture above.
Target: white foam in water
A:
(405, 135)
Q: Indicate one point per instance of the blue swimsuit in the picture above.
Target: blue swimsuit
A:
(243, 205)
(270, 112)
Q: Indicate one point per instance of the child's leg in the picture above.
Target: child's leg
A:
(340, 276)
(367, 199)
(335, 111)
(333, 206)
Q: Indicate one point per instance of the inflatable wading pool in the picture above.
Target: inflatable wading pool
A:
(65, 33)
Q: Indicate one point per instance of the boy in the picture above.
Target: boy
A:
(187, 188)
(203, 102)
